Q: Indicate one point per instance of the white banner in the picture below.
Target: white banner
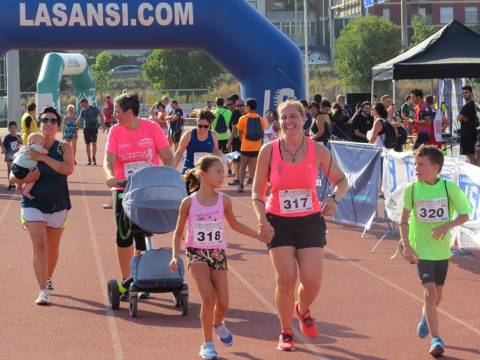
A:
(398, 172)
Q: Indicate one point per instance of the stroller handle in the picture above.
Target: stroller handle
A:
(121, 183)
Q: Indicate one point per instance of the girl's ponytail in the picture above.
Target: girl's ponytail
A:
(192, 180)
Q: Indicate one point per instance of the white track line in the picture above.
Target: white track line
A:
(404, 291)
(6, 208)
(117, 346)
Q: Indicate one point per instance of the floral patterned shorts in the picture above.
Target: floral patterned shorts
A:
(216, 259)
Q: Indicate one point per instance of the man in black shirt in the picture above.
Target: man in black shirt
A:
(468, 125)
(362, 122)
(237, 107)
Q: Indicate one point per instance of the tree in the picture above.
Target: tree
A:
(421, 30)
(180, 69)
(363, 43)
(101, 71)
(30, 64)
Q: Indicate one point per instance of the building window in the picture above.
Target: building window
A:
(446, 15)
(386, 13)
(278, 6)
(471, 15)
(422, 12)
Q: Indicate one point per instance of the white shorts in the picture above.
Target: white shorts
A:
(57, 220)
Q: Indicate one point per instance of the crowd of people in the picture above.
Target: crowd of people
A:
(274, 149)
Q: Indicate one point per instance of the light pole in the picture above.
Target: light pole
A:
(403, 23)
(307, 69)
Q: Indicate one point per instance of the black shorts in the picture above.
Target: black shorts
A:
(236, 144)
(90, 135)
(222, 146)
(19, 171)
(432, 271)
(298, 232)
(250, 154)
(176, 135)
(123, 241)
(467, 142)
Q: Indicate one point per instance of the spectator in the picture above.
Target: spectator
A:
(362, 122)
(406, 111)
(320, 129)
(90, 115)
(317, 98)
(221, 124)
(108, 113)
(468, 125)
(347, 110)
(308, 122)
(237, 107)
(382, 134)
(175, 118)
(28, 123)
(251, 127)
(342, 128)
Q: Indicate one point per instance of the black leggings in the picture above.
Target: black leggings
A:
(123, 241)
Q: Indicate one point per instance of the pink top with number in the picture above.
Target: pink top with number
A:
(135, 149)
(205, 228)
(294, 186)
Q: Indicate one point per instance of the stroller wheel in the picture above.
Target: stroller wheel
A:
(177, 300)
(113, 294)
(133, 306)
(184, 301)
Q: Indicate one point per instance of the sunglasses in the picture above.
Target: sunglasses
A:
(203, 126)
(52, 121)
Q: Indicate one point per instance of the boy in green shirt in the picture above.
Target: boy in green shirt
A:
(429, 206)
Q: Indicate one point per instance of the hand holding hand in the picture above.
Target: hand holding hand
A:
(112, 181)
(266, 232)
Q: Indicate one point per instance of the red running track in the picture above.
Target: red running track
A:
(367, 309)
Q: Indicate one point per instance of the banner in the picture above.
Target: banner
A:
(398, 172)
(363, 171)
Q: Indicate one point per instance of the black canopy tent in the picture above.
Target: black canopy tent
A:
(452, 52)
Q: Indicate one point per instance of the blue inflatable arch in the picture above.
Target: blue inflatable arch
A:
(267, 64)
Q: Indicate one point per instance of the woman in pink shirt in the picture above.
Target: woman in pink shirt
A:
(291, 220)
(132, 144)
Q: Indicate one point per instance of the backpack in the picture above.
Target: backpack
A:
(221, 124)
(390, 139)
(254, 129)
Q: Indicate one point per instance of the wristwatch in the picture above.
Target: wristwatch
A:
(334, 198)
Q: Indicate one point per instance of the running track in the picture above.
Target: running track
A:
(368, 307)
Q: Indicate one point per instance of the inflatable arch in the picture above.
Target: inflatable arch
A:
(267, 64)
(56, 65)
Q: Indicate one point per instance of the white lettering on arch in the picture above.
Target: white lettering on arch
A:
(167, 20)
(60, 17)
(42, 17)
(95, 14)
(76, 16)
(183, 16)
(145, 21)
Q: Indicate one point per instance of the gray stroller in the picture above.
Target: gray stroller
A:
(151, 201)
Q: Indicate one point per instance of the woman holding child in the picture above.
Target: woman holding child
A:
(45, 214)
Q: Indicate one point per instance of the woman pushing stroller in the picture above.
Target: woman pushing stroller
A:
(132, 144)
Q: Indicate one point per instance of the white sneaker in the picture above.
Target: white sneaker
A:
(49, 286)
(42, 298)
(223, 334)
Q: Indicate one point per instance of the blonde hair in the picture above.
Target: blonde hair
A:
(203, 164)
(33, 137)
(294, 103)
(70, 106)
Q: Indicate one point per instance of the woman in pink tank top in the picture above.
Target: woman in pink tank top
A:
(291, 219)
(204, 212)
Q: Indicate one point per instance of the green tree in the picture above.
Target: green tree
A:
(30, 64)
(101, 71)
(421, 30)
(180, 69)
(363, 43)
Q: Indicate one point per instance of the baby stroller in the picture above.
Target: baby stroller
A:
(152, 197)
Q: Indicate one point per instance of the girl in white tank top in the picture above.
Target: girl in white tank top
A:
(204, 212)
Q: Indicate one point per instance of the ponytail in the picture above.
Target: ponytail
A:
(192, 180)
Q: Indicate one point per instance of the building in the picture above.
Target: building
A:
(287, 15)
(436, 12)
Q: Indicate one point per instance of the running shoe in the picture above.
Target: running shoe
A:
(307, 323)
(208, 351)
(223, 334)
(422, 328)
(49, 287)
(94, 161)
(235, 182)
(124, 296)
(437, 348)
(89, 162)
(285, 341)
(42, 298)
